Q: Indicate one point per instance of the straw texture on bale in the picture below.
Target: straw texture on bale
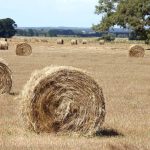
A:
(62, 100)
(60, 41)
(23, 49)
(3, 45)
(136, 51)
(84, 41)
(102, 42)
(5, 78)
(74, 42)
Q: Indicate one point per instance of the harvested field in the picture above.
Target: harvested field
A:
(126, 87)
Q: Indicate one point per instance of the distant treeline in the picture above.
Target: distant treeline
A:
(67, 32)
(54, 33)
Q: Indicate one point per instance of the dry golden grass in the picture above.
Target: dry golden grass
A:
(126, 87)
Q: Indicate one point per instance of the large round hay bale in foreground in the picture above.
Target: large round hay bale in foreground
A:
(136, 51)
(5, 78)
(60, 41)
(3, 45)
(62, 100)
(23, 49)
(74, 42)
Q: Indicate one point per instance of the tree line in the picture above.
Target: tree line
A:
(132, 14)
(54, 33)
(42, 32)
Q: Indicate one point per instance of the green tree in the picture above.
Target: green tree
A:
(30, 32)
(7, 27)
(52, 33)
(133, 14)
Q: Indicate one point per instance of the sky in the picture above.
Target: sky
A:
(50, 13)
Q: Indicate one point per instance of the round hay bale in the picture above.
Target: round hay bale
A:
(44, 40)
(3, 45)
(23, 49)
(26, 40)
(74, 42)
(102, 42)
(136, 51)
(60, 41)
(84, 41)
(5, 78)
(62, 100)
(36, 40)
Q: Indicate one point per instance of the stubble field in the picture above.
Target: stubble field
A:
(126, 87)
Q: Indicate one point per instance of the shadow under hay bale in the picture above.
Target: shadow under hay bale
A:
(14, 93)
(5, 78)
(136, 51)
(148, 49)
(62, 100)
(23, 49)
(108, 133)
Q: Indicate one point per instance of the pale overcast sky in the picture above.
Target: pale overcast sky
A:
(70, 13)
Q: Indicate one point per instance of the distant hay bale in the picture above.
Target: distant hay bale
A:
(136, 51)
(74, 42)
(36, 40)
(23, 49)
(25, 40)
(44, 40)
(60, 41)
(102, 42)
(5, 78)
(62, 100)
(84, 42)
(3, 45)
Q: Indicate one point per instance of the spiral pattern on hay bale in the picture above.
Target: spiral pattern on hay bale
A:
(23, 49)
(62, 100)
(136, 51)
(5, 78)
